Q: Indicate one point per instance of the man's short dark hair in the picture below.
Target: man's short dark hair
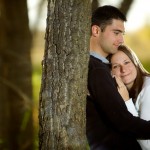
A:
(104, 15)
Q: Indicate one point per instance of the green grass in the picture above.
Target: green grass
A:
(36, 82)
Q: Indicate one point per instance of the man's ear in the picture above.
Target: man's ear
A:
(95, 30)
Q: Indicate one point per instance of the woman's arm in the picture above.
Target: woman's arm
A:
(143, 104)
(131, 107)
(144, 112)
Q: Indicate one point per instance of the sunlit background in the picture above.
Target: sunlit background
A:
(137, 25)
(138, 15)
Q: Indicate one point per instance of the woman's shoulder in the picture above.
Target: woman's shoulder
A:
(146, 86)
(146, 81)
(144, 93)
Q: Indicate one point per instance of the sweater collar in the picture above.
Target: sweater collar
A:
(98, 56)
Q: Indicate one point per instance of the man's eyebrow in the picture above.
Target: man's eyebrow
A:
(119, 31)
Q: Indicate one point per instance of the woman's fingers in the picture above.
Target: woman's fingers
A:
(119, 82)
(122, 89)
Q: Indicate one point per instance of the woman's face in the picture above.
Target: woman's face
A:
(123, 67)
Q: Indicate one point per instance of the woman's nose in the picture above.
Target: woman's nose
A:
(123, 69)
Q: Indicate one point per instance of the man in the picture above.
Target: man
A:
(109, 124)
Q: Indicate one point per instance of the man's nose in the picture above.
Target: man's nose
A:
(121, 39)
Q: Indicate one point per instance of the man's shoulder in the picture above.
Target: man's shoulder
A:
(96, 63)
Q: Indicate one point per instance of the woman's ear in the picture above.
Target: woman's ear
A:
(95, 30)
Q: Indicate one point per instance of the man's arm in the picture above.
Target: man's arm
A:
(109, 101)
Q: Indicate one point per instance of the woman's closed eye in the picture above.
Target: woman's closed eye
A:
(115, 66)
(127, 62)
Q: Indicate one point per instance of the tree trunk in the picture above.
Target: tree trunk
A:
(16, 127)
(125, 6)
(95, 4)
(64, 77)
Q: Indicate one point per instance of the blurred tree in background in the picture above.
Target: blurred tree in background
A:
(16, 125)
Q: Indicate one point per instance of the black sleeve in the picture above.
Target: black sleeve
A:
(109, 101)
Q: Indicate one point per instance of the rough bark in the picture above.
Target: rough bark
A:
(64, 77)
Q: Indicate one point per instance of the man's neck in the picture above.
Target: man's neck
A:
(96, 48)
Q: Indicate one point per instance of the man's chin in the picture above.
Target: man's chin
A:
(114, 51)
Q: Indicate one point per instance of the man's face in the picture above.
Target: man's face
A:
(112, 37)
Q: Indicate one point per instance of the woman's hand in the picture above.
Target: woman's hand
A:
(122, 89)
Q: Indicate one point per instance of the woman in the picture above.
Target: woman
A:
(129, 71)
